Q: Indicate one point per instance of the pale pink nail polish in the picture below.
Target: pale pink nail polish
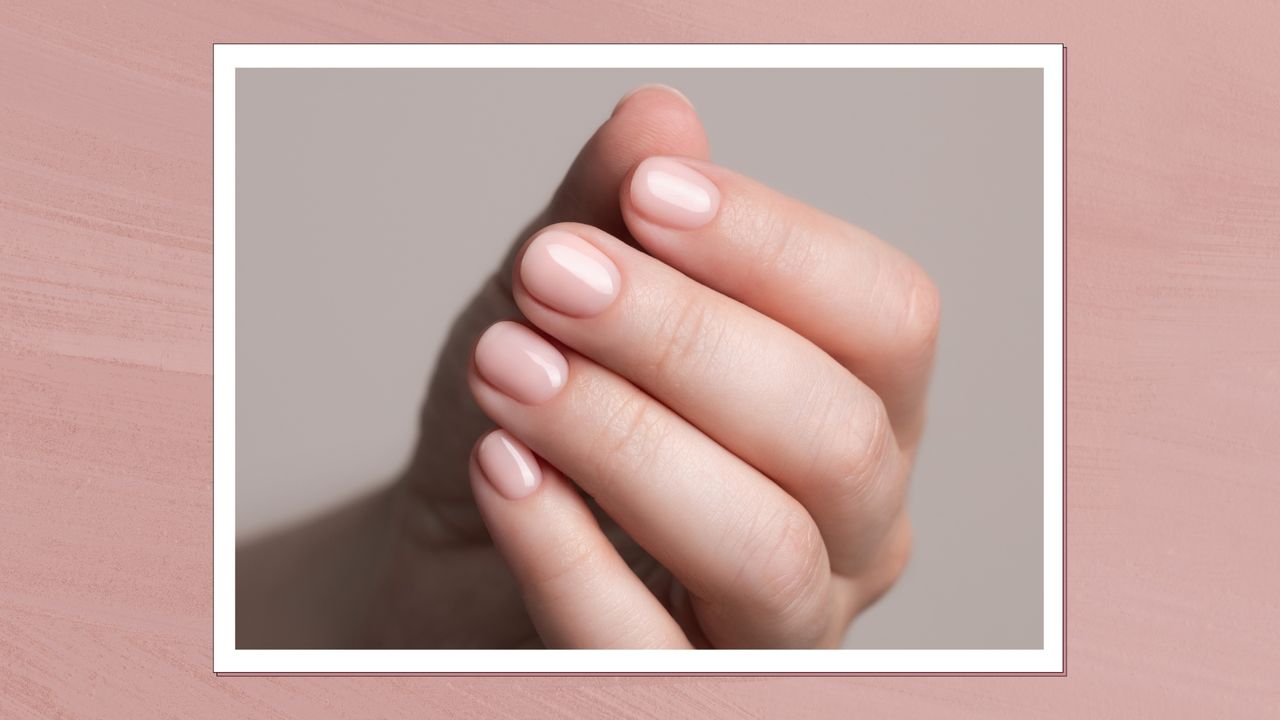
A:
(670, 193)
(569, 274)
(508, 465)
(518, 362)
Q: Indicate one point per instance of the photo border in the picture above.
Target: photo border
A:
(1048, 660)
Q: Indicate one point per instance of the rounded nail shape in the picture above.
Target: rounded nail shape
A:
(508, 465)
(569, 274)
(672, 194)
(519, 363)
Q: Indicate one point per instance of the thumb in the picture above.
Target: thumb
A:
(649, 120)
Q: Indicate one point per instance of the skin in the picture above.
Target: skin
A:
(725, 464)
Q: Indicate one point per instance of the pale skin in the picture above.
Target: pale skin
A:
(709, 398)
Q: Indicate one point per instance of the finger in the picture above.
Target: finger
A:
(651, 121)
(648, 119)
(578, 591)
(862, 300)
(747, 551)
(755, 386)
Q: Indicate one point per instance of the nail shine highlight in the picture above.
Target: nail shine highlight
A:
(569, 274)
(518, 362)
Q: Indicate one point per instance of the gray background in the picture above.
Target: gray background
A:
(371, 203)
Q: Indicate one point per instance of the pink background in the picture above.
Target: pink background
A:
(105, 337)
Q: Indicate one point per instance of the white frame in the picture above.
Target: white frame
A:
(227, 659)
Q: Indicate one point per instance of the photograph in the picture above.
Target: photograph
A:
(721, 359)
(628, 358)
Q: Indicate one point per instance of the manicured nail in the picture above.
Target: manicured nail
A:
(518, 362)
(651, 86)
(569, 274)
(508, 465)
(673, 194)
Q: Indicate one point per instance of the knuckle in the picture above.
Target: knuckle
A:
(922, 316)
(871, 447)
(859, 467)
(689, 335)
(784, 563)
(851, 448)
(631, 432)
(783, 249)
(563, 572)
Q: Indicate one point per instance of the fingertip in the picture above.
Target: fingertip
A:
(648, 121)
(655, 90)
(654, 120)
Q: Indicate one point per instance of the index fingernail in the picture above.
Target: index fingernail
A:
(569, 274)
(672, 194)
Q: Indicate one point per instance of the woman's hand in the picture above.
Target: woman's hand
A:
(743, 401)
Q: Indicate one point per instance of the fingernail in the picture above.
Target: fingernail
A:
(508, 465)
(673, 194)
(569, 274)
(651, 86)
(518, 362)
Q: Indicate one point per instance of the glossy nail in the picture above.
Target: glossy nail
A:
(569, 274)
(670, 193)
(519, 363)
(508, 465)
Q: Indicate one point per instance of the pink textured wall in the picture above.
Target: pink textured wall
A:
(105, 334)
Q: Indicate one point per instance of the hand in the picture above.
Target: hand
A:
(442, 582)
(744, 401)
(414, 566)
